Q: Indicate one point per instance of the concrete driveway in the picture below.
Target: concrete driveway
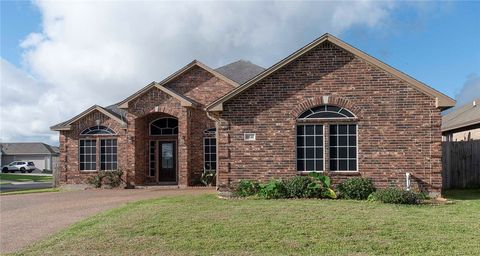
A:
(25, 219)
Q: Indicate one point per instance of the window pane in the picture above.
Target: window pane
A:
(300, 141)
(319, 140)
(342, 129)
(300, 130)
(310, 153)
(352, 152)
(342, 165)
(318, 152)
(333, 152)
(319, 165)
(309, 129)
(342, 140)
(352, 129)
(333, 165)
(300, 153)
(310, 165)
(352, 140)
(352, 165)
(310, 140)
(318, 129)
(333, 129)
(333, 141)
(300, 165)
(342, 152)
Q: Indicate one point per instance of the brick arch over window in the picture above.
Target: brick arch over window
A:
(164, 109)
(326, 100)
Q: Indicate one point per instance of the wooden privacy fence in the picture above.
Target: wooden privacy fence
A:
(461, 164)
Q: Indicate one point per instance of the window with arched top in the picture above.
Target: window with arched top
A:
(327, 111)
(97, 130)
(313, 126)
(97, 152)
(164, 126)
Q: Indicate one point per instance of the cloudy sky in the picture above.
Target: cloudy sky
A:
(59, 57)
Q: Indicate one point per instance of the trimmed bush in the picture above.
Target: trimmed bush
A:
(247, 188)
(356, 188)
(395, 196)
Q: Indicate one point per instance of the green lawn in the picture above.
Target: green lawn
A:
(7, 177)
(206, 225)
(30, 191)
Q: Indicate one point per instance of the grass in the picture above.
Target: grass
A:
(206, 225)
(6, 177)
(29, 191)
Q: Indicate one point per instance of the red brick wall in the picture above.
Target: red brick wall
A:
(69, 147)
(197, 84)
(398, 126)
(200, 85)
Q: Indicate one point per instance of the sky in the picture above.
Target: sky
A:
(60, 57)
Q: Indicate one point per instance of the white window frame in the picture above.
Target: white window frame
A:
(305, 147)
(173, 134)
(348, 158)
(204, 153)
(80, 155)
(111, 154)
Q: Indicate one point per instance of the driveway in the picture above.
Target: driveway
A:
(32, 217)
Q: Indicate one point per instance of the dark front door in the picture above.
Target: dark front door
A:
(167, 161)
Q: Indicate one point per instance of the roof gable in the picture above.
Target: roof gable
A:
(442, 101)
(185, 101)
(65, 126)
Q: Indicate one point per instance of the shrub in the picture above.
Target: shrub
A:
(274, 189)
(356, 188)
(321, 187)
(114, 178)
(208, 178)
(97, 180)
(247, 188)
(297, 187)
(395, 196)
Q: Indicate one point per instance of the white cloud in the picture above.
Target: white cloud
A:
(101, 52)
(469, 91)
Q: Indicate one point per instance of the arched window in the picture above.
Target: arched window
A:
(97, 130)
(164, 126)
(327, 111)
(339, 124)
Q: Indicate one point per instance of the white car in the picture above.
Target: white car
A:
(22, 166)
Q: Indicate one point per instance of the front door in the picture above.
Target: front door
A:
(167, 162)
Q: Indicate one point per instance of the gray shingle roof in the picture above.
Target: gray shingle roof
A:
(240, 71)
(465, 115)
(28, 148)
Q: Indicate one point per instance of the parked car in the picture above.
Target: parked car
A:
(22, 166)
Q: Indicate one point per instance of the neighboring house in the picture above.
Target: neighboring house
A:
(462, 123)
(328, 108)
(42, 155)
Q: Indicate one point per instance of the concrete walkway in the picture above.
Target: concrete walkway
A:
(25, 219)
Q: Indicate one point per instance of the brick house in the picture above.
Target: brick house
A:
(328, 107)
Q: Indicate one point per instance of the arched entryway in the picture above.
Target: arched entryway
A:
(157, 151)
(163, 156)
